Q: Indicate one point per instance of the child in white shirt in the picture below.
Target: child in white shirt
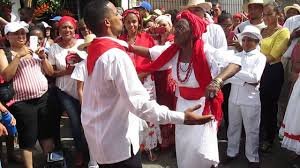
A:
(244, 100)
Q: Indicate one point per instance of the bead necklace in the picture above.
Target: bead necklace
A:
(187, 74)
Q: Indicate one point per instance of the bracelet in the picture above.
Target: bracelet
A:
(218, 81)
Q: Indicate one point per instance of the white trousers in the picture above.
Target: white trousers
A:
(250, 117)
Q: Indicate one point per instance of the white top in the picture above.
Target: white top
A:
(292, 23)
(57, 57)
(215, 36)
(113, 97)
(253, 65)
(240, 27)
(217, 59)
(80, 71)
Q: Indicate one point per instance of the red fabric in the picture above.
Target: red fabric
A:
(70, 19)
(128, 11)
(200, 64)
(295, 56)
(142, 39)
(292, 136)
(97, 48)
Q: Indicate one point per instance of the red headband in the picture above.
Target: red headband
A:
(238, 16)
(70, 19)
(198, 25)
(127, 12)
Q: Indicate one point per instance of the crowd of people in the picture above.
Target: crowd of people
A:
(143, 79)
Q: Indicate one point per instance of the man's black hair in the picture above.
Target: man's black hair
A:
(224, 16)
(94, 13)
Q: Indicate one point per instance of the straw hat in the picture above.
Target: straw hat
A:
(198, 3)
(87, 40)
(245, 5)
(294, 6)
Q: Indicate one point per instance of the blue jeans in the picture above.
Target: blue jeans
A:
(73, 109)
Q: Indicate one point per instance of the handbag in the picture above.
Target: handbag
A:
(6, 89)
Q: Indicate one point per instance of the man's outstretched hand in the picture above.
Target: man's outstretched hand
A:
(191, 118)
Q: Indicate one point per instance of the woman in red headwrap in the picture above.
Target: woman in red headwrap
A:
(63, 55)
(134, 36)
(193, 68)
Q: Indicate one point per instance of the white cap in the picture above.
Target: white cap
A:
(15, 26)
(250, 31)
(46, 25)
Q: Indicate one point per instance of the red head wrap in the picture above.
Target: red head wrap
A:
(128, 11)
(197, 24)
(70, 19)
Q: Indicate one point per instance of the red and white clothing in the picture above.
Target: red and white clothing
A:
(113, 100)
(29, 81)
(150, 134)
(196, 146)
(290, 129)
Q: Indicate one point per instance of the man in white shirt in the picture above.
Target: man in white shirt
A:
(214, 35)
(255, 15)
(244, 101)
(113, 96)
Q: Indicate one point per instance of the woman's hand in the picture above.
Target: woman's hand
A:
(41, 53)
(23, 53)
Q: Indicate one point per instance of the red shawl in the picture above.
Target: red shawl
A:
(199, 63)
(142, 39)
(97, 48)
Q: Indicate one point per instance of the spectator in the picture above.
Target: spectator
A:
(165, 85)
(30, 109)
(47, 33)
(133, 35)
(273, 45)
(63, 55)
(144, 9)
(255, 15)
(216, 11)
(244, 102)
(290, 11)
(214, 35)
(83, 30)
(26, 15)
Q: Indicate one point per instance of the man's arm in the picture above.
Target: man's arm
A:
(131, 89)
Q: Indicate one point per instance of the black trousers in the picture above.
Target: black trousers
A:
(135, 161)
(271, 83)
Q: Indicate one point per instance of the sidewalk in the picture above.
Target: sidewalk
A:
(277, 159)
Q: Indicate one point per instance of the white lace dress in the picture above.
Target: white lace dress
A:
(290, 129)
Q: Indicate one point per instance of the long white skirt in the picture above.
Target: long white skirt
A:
(196, 146)
(290, 128)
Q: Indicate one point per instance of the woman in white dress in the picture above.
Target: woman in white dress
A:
(193, 68)
(290, 130)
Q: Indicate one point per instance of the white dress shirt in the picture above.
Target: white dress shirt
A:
(242, 93)
(215, 36)
(113, 99)
(240, 28)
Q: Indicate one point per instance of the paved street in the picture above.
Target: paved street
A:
(277, 159)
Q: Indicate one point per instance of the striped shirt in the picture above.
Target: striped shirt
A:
(29, 81)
